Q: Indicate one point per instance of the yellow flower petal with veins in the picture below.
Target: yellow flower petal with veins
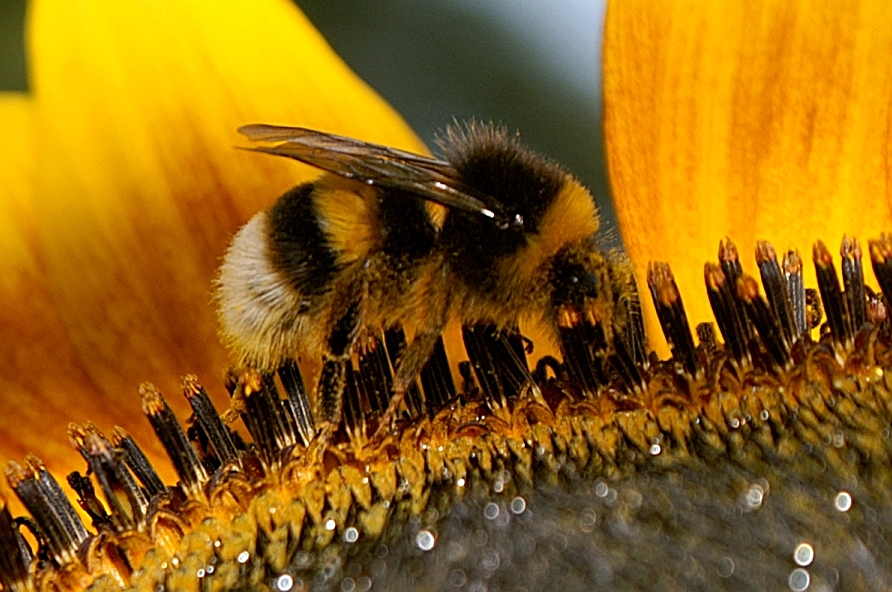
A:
(138, 187)
(38, 362)
(751, 119)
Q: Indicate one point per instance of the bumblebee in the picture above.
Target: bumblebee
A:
(490, 233)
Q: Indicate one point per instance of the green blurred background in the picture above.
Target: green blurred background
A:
(12, 61)
(531, 65)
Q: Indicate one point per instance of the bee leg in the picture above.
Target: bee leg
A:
(333, 379)
(413, 359)
(330, 388)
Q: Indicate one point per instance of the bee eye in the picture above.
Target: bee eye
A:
(588, 284)
(572, 282)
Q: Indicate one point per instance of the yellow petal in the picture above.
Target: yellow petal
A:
(37, 364)
(138, 186)
(751, 119)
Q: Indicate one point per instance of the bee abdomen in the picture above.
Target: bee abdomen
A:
(299, 248)
(263, 312)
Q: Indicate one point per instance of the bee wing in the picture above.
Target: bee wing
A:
(430, 178)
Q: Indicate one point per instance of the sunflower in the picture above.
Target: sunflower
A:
(122, 191)
(750, 120)
(765, 120)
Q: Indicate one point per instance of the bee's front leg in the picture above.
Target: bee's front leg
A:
(409, 366)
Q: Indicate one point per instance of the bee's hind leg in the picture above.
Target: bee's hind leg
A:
(329, 391)
(333, 378)
(409, 366)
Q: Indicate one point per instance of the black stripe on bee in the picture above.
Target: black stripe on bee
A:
(300, 250)
(408, 233)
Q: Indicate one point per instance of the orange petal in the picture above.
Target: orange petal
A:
(751, 119)
(138, 187)
(38, 363)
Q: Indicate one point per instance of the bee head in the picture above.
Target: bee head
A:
(581, 285)
(574, 280)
